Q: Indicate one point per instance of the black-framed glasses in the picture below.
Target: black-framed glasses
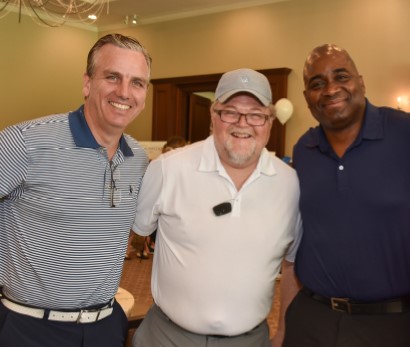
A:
(233, 117)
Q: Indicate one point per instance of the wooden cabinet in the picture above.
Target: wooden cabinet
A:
(177, 112)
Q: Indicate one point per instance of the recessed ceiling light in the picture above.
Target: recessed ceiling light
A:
(134, 19)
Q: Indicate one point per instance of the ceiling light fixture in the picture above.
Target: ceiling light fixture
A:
(54, 13)
(134, 19)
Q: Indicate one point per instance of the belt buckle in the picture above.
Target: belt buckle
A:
(340, 304)
(95, 313)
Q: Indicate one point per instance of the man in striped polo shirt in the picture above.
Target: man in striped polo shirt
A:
(68, 191)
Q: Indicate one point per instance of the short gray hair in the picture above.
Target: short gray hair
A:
(117, 40)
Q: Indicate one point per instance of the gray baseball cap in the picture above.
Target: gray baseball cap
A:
(244, 80)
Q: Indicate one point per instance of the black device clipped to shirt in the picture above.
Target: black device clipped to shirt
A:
(221, 209)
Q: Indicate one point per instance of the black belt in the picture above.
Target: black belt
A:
(398, 305)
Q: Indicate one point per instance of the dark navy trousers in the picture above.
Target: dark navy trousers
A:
(17, 330)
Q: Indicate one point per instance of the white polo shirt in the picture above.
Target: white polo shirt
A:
(216, 274)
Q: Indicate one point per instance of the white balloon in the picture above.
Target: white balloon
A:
(284, 110)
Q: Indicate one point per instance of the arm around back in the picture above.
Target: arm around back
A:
(289, 287)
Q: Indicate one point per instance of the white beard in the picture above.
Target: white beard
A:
(243, 155)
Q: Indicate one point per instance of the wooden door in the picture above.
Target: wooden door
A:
(199, 119)
(170, 110)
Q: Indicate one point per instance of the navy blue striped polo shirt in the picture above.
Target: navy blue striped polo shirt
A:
(65, 211)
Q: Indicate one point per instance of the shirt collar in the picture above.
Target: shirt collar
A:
(210, 160)
(372, 129)
(83, 136)
(373, 126)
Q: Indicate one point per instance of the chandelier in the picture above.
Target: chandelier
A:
(54, 13)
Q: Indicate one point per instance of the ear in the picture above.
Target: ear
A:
(362, 85)
(86, 85)
(304, 94)
(211, 123)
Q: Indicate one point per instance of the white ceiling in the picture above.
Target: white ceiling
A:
(151, 11)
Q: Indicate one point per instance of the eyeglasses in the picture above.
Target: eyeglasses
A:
(115, 192)
(233, 117)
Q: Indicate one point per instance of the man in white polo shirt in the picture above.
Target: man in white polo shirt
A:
(226, 211)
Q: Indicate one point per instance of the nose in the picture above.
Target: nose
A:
(242, 120)
(123, 90)
(332, 88)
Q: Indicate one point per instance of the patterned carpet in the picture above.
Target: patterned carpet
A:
(136, 279)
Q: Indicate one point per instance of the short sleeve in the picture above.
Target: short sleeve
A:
(292, 250)
(13, 160)
(146, 219)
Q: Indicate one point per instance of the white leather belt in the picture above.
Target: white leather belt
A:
(82, 316)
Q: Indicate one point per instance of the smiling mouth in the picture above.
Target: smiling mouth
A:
(121, 107)
(241, 135)
(333, 103)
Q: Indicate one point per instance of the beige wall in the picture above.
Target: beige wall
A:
(40, 68)
(278, 35)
